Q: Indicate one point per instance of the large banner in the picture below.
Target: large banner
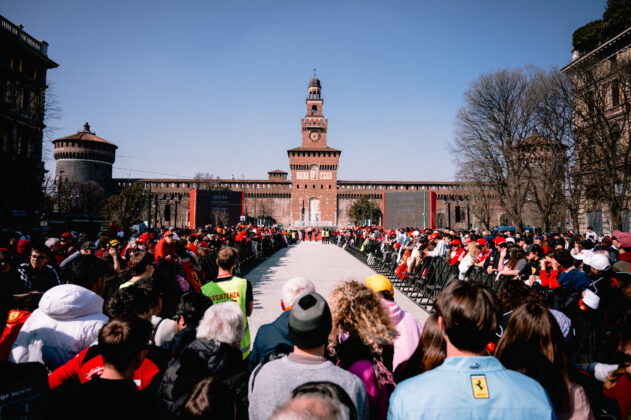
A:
(409, 209)
(222, 208)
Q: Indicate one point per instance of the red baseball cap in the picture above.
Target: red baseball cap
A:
(499, 240)
(623, 237)
(481, 242)
(455, 242)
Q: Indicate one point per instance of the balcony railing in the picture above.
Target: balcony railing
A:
(41, 46)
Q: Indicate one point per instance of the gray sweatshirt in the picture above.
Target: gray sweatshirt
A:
(271, 384)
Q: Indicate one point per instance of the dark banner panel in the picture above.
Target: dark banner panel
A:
(216, 208)
(410, 209)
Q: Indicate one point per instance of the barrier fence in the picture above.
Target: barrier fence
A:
(424, 283)
(585, 340)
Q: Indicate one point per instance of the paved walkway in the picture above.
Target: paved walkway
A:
(324, 265)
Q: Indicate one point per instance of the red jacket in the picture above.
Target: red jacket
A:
(163, 249)
(89, 362)
(621, 392)
(15, 322)
(550, 280)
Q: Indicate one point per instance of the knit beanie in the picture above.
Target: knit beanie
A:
(310, 321)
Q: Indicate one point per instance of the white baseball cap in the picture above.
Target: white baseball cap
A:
(597, 262)
(581, 256)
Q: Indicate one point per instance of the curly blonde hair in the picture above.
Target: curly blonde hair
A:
(358, 311)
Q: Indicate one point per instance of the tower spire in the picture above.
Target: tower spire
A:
(314, 71)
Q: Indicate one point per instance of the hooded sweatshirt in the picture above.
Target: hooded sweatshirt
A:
(68, 320)
(409, 333)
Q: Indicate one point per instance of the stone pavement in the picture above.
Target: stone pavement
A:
(324, 265)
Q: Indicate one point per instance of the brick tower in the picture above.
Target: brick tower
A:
(84, 157)
(314, 168)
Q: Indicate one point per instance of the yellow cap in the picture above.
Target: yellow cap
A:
(378, 283)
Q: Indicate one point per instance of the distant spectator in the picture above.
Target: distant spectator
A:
(622, 240)
(86, 248)
(140, 266)
(35, 276)
(190, 311)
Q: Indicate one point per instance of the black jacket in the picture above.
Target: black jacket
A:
(200, 359)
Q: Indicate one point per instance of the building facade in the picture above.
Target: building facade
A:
(601, 83)
(313, 196)
(23, 65)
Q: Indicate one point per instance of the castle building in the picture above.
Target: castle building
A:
(84, 157)
(23, 65)
(313, 196)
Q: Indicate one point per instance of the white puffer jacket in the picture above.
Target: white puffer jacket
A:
(68, 320)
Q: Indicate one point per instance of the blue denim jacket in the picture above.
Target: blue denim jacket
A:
(470, 388)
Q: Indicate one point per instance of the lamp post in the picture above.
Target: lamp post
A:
(59, 184)
(177, 201)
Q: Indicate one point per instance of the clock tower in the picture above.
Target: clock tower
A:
(314, 125)
(314, 168)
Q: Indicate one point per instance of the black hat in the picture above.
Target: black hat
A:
(88, 245)
(310, 321)
(534, 248)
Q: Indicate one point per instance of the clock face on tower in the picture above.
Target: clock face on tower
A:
(314, 136)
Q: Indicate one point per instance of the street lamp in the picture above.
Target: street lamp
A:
(177, 201)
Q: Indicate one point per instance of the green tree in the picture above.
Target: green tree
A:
(127, 207)
(363, 209)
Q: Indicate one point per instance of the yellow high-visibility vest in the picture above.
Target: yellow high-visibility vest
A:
(233, 290)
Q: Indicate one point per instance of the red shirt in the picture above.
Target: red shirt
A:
(482, 255)
(90, 362)
(621, 392)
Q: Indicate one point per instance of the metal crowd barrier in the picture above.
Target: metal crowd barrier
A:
(424, 284)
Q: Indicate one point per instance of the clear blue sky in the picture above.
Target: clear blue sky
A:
(207, 86)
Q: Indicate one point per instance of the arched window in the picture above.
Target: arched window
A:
(314, 109)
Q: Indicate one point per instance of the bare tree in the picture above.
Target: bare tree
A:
(220, 217)
(498, 114)
(49, 107)
(556, 187)
(207, 181)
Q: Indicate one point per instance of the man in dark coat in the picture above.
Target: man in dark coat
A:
(272, 340)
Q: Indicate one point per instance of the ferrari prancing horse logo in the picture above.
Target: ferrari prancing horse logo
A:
(480, 389)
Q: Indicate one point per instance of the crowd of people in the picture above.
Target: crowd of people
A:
(155, 324)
